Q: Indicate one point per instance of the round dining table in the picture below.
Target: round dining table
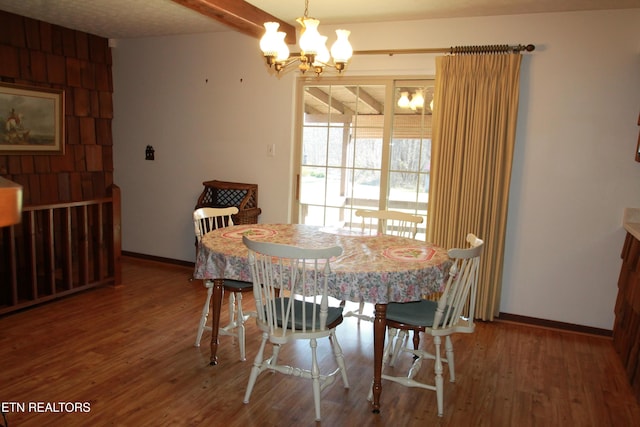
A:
(377, 269)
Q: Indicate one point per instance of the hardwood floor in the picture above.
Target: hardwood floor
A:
(128, 353)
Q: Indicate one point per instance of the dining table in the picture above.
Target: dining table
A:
(376, 269)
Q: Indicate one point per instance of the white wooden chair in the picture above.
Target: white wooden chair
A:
(290, 290)
(389, 222)
(453, 313)
(385, 222)
(205, 220)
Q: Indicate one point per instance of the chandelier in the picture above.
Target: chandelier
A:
(313, 47)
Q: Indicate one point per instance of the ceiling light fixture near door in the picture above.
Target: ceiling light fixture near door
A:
(416, 101)
(313, 48)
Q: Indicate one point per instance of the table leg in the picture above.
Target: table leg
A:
(379, 327)
(216, 307)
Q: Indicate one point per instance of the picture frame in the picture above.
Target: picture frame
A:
(31, 120)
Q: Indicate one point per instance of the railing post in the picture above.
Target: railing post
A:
(114, 191)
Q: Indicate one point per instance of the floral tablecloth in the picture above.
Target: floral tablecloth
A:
(375, 269)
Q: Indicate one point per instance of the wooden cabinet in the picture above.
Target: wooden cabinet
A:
(626, 329)
(10, 202)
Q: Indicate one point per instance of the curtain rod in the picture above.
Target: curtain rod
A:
(498, 48)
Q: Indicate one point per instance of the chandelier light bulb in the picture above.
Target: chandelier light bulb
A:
(269, 41)
(341, 50)
(282, 49)
(310, 39)
(323, 56)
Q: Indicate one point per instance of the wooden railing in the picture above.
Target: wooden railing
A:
(60, 249)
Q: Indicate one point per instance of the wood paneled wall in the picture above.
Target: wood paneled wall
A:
(626, 328)
(37, 53)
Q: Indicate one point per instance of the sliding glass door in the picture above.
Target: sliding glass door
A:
(360, 147)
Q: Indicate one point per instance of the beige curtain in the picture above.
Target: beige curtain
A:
(474, 127)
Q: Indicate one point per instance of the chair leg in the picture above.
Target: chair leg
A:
(232, 310)
(237, 319)
(339, 356)
(240, 325)
(399, 341)
(315, 376)
(439, 380)
(205, 314)
(360, 311)
(449, 351)
(256, 368)
(416, 340)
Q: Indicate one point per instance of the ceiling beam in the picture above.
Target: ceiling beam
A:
(366, 97)
(331, 102)
(240, 15)
(310, 110)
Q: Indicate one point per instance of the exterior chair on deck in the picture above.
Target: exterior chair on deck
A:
(453, 313)
(290, 290)
(205, 220)
(387, 222)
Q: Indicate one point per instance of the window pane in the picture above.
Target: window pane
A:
(312, 185)
(314, 146)
(336, 188)
(311, 214)
(338, 145)
(366, 189)
(402, 190)
(405, 154)
(334, 217)
(368, 153)
(425, 156)
(423, 190)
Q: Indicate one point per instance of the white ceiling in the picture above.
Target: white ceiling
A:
(143, 18)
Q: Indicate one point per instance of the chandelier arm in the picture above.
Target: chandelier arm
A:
(325, 64)
(288, 61)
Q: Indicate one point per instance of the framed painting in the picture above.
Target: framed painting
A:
(32, 120)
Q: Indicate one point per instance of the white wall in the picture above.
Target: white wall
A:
(209, 109)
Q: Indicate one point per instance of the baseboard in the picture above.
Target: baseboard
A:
(552, 324)
(158, 259)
